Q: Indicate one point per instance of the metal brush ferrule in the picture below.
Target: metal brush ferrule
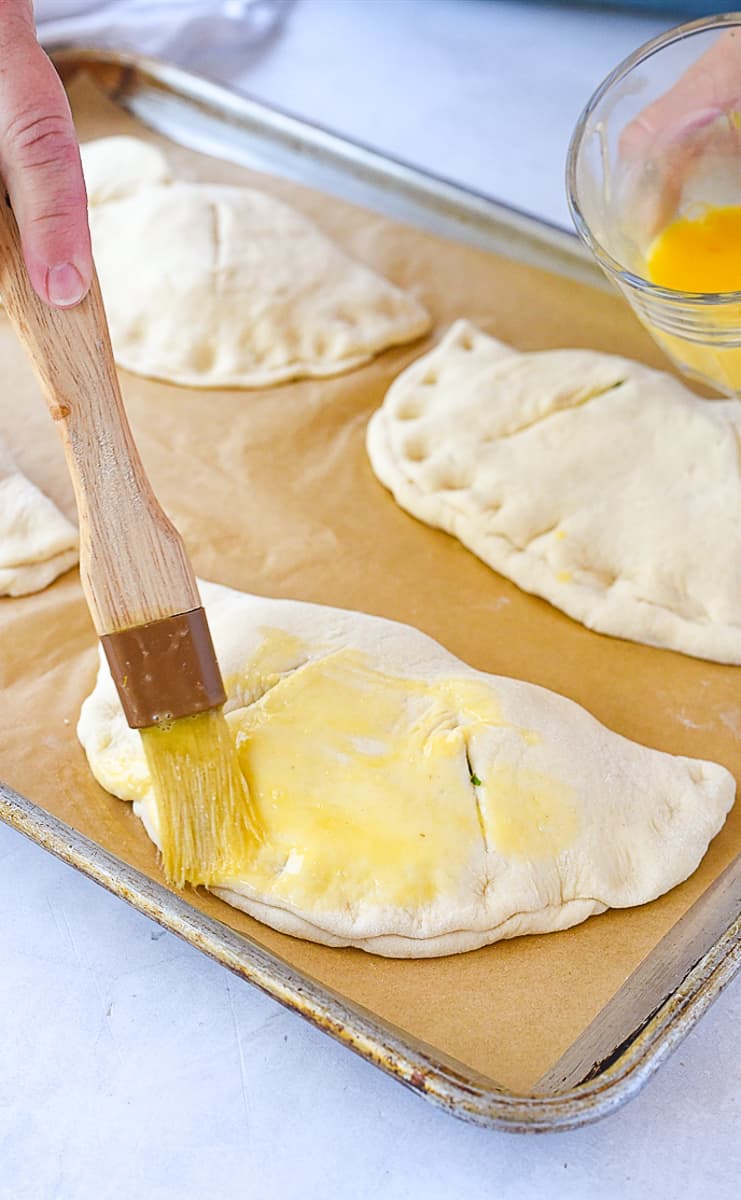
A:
(165, 670)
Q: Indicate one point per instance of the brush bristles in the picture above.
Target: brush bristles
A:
(207, 824)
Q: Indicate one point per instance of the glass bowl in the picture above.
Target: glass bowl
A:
(660, 139)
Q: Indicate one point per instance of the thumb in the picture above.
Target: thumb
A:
(710, 88)
(40, 163)
(672, 137)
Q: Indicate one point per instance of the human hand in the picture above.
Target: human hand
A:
(40, 163)
(695, 123)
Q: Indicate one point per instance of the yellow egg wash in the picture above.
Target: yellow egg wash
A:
(362, 783)
(702, 254)
(541, 822)
(196, 754)
(278, 653)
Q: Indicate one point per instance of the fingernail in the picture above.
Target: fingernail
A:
(64, 285)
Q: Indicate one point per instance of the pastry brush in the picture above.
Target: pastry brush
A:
(138, 583)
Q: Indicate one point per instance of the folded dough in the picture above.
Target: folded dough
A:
(37, 542)
(413, 806)
(605, 487)
(213, 286)
(117, 166)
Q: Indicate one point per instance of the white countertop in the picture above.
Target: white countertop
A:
(132, 1064)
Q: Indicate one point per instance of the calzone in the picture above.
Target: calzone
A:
(412, 806)
(214, 286)
(37, 542)
(607, 488)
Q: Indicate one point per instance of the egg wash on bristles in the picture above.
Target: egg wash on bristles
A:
(207, 823)
(171, 691)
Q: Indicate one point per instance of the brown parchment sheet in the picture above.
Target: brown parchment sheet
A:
(273, 493)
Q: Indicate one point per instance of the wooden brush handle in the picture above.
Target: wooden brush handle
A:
(133, 563)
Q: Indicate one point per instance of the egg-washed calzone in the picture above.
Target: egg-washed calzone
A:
(412, 806)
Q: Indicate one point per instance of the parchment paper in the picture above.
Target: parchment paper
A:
(273, 494)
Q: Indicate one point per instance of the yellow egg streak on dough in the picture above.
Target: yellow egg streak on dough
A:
(336, 727)
(528, 813)
(279, 653)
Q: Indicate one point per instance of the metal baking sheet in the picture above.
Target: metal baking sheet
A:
(660, 1002)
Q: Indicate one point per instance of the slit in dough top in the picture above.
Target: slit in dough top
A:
(213, 286)
(411, 805)
(605, 487)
